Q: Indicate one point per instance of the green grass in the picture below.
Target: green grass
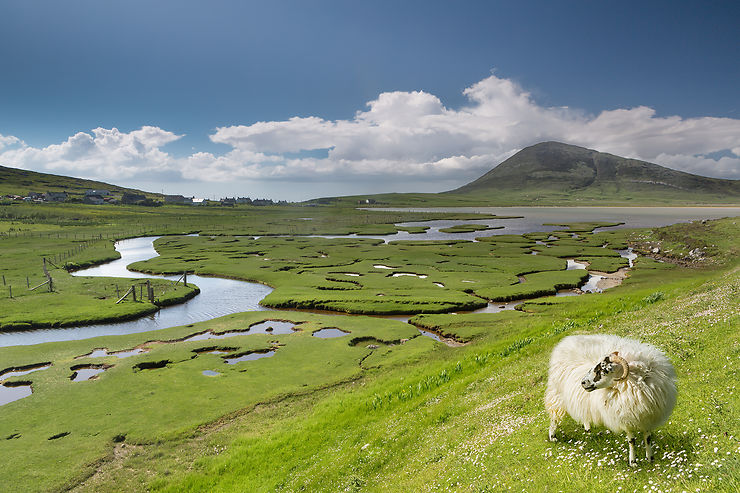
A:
(472, 419)
(370, 277)
(73, 236)
(340, 414)
(468, 228)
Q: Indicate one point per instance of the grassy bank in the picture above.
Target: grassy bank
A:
(368, 276)
(382, 408)
(74, 236)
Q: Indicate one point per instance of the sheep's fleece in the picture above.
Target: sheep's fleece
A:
(640, 402)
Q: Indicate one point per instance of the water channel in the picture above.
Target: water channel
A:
(220, 297)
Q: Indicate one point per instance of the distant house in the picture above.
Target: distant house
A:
(55, 196)
(93, 199)
(243, 200)
(176, 199)
(132, 198)
(199, 201)
(228, 202)
(262, 202)
(99, 192)
(35, 195)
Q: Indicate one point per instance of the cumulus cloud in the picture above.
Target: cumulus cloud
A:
(400, 135)
(104, 154)
(405, 133)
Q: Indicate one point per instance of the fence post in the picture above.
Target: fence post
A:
(10, 290)
(150, 291)
(3, 279)
(51, 285)
(28, 283)
(185, 278)
(133, 291)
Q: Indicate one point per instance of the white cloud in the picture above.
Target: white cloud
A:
(8, 140)
(105, 154)
(403, 133)
(402, 136)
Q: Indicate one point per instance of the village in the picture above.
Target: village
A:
(108, 197)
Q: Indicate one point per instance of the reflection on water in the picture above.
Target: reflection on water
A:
(217, 297)
(573, 265)
(26, 371)
(592, 285)
(535, 218)
(329, 333)
(249, 357)
(629, 255)
(84, 374)
(102, 353)
(220, 297)
(13, 393)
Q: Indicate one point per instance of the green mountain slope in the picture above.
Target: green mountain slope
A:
(552, 173)
(552, 169)
(20, 182)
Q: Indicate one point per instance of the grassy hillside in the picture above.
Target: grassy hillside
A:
(369, 412)
(551, 173)
(471, 418)
(556, 167)
(15, 181)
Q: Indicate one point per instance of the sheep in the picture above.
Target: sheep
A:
(631, 388)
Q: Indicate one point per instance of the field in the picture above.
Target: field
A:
(379, 407)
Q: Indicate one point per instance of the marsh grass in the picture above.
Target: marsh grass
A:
(326, 415)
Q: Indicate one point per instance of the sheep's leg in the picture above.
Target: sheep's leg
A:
(556, 410)
(553, 428)
(631, 441)
(587, 426)
(649, 446)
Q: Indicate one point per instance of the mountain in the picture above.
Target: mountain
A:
(20, 182)
(551, 169)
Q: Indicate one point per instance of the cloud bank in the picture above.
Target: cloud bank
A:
(399, 135)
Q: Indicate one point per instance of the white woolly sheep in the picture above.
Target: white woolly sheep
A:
(631, 388)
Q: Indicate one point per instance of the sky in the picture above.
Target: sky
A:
(292, 100)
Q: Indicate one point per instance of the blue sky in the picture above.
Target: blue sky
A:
(300, 99)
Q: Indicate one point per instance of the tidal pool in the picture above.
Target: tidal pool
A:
(220, 297)
(329, 333)
(103, 352)
(409, 274)
(83, 373)
(250, 356)
(13, 392)
(274, 327)
(16, 372)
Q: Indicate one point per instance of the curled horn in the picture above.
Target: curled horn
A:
(616, 358)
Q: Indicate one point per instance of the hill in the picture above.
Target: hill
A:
(20, 182)
(553, 168)
(552, 173)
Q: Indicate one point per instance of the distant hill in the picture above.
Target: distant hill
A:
(20, 182)
(552, 173)
(553, 167)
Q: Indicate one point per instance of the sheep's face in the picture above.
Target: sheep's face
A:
(603, 375)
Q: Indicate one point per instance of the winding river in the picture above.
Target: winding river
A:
(219, 297)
